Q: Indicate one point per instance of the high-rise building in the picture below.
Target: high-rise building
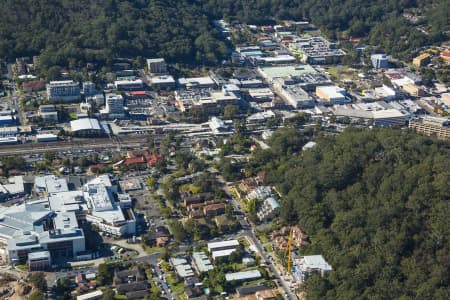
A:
(157, 66)
(63, 91)
(379, 61)
(114, 105)
(89, 88)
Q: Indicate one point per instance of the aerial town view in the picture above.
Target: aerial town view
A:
(215, 149)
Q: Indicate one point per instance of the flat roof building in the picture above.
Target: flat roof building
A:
(202, 262)
(243, 276)
(432, 126)
(63, 91)
(308, 265)
(332, 95)
(156, 66)
(197, 82)
(224, 245)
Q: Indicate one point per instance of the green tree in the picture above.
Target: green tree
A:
(108, 294)
(38, 280)
(36, 295)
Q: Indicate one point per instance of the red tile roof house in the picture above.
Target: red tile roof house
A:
(214, 209)
(135, 161)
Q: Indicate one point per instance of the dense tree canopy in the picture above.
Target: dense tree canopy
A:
(70, 33)
(375, 203)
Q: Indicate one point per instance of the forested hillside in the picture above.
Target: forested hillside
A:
(375, 203)
(70, 33)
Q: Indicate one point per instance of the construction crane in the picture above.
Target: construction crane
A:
(288, 250)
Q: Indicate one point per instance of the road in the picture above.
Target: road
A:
(250, 235)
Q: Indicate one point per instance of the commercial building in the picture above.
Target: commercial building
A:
(6, 120)
(156, 66)
(309, 265)
(104, 212)
(432, 126)
(63, 91)
(422, 60)
(114, 107)
(243, 276)
(89, 89)
(413, 90)
(86, 127)
(332, 95)
(260, 117)
(293, 94)
(261, 94)
(379, 61)
(271, 73)
(211, 102)
(380, 113)
(46, 137)
(48, 113)
(39, 261)
(163, 81)
(14, 187)
(316, 50)
(196, 82)
(131, 84)
(33, 227)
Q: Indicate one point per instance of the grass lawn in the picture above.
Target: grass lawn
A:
(152, 250)
(268, 248)
(22, 268)
(120, 296)
(262, 237)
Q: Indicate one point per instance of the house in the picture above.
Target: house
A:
(248, 184)
(196, 214)
(214, 209)
(136, 274)
(193, 199)
(132, 287)
(159, 238)
(192, 292)
(135, 162)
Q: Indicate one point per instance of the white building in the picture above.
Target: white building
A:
(268, 210)
(63, 91)
(243, 276)
(22, 231)
(129, 84)
(332, 94)
(224, 245)
(379, 61)
(104, 212)
(306, 266)
(197, 82)
(114, 106)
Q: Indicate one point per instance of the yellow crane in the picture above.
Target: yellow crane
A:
(288, 250)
